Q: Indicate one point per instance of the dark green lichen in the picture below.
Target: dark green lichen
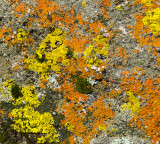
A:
(3, 135)
(16, 91)
(82, 85)
(40, 60)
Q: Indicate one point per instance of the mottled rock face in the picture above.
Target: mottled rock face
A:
(4, 65)
(119, 61)
(118, 140)
(99, 88)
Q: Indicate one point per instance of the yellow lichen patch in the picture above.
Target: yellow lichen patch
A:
(8, 83)
(132, 105)
(21, 35)
(27, 120)
(152, 20)
(119, 7)
(84, 3)
(29, 97)
(50, 55)
(147, 2)
(6, 87)
(69, 126)
(94, 54)
(102, 127)
(114, 130)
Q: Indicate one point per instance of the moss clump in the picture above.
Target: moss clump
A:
(16, 91)
(40, 60)
(82, 85)
(7, 134)
(3, 136)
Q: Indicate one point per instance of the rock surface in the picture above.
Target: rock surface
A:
(119, 20)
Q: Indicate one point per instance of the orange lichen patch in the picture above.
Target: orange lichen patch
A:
(132, 84)
(45, 81)
(25, 66)
(105, 14)
(2, 113)
(9, 115)
(2, 31)
(74, 105)
(147, 119)
(48, 13)
(96, 27)
(42, 86)
(7, 39)
(113, 94)
(118, 35)
(125, 72)
(104, 82)
(98, 118)
(150, 112)
(15, 40)
(78, 44)
(71, 109)
(158, 61)
(120, 52)
(16, 67)
(79, 18)
(141, 32)
(125, 56)
(8, 35)
(21, 8)
(155, 53)
(103, 4)
(120, 91)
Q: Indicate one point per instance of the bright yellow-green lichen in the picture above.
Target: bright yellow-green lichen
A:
(27, 120)
(102, 127)
(152, 20)
(69, 126)
(51, 54)
(132, 105)
(29, 97)
(21, 35)
(119, 7)
(114, 130)
(147, 2)
(83, 3)
(5, 87)
(94, 55)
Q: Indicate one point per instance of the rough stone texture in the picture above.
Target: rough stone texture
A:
(119, 140)
(119, 20)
